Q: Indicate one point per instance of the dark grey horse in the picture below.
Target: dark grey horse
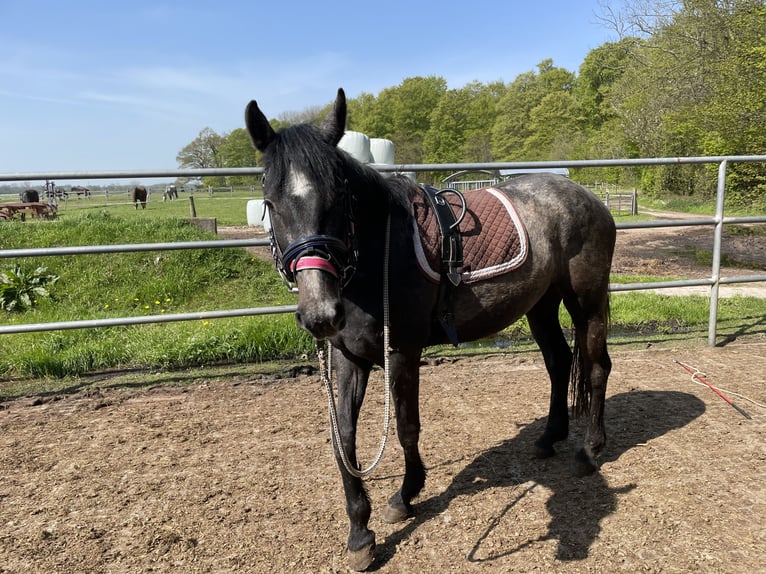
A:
(335, 222)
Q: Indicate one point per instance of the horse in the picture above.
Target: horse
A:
(171, 193)
(30, 196)
(80, 190)
(138, 195)
(343, 235)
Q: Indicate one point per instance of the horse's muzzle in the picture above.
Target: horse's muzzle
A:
(320, 310)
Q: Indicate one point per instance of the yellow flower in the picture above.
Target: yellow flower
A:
(156, 302)
(106, 306)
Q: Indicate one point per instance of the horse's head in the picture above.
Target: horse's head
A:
(306, 192)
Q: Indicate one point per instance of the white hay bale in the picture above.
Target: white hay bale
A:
(382, 151)
(357, 145)
(257, 215)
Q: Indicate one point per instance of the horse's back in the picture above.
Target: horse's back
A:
(569, 227)
(571, 237)
(557, 203)
(563, 218)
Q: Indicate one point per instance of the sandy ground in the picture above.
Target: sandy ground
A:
(235, 474)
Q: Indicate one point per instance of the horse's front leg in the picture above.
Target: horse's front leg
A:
(405, 374)
(353, 375)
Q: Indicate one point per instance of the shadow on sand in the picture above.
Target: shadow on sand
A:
(577, 505)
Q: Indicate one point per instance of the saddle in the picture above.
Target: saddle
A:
(464, 238)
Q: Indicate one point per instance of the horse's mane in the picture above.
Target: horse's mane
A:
(304, 146)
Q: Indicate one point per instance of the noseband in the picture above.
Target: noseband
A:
(321, 252)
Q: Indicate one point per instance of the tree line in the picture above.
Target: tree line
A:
(684, 78)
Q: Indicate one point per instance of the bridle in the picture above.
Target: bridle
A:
(339, 258)
(327, 253)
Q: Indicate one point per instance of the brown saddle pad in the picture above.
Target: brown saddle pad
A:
(493, 236)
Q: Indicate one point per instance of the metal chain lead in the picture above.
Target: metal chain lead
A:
(325, 370)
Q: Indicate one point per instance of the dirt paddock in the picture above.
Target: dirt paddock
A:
(235, 474)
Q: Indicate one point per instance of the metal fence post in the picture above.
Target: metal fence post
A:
(716, 269)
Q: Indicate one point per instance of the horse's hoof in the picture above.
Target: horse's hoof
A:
(544, 445)
(393, 514)
(584, 465)
(544, 451)
(360, 560)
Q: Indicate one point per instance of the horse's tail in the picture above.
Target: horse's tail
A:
(579, 377)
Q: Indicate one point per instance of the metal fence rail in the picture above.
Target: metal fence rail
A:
(717, 222)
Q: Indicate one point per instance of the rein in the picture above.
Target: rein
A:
(325, 370)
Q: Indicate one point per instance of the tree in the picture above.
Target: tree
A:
(553, 127)
(481, 115)
(444, 140)
(600, 69)
(735, 117)
(405, 110)
(513, 126)
(694, 67)
(237, 151)
(365, 115)
(202, 153)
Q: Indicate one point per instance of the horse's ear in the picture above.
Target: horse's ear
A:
(259, 128)
(334, 125)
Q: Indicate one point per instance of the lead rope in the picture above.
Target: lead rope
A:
(325, 370)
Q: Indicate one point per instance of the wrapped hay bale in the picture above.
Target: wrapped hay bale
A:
(357, 145)
(382, 151)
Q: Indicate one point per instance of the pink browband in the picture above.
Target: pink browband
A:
(311, 262)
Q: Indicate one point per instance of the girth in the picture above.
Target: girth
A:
(451, 254)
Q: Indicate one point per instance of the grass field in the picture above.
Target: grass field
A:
(228, 208)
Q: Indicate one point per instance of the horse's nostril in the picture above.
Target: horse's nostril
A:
(321, 326)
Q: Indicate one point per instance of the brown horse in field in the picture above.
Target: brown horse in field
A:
(138, 195)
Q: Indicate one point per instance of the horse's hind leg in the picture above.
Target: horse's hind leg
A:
(589, 376)
(544, 323)
(405, 372)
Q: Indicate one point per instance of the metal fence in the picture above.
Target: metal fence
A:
(717, 222)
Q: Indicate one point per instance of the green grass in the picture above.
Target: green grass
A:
(227, 208)
(137, 284)
(638, 319)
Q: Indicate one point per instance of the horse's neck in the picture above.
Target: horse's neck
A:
(378, 199)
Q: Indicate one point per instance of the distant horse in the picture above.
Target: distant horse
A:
(171, 193)
(349, 239)
(80, 190)
(30, 196)
(138, 195)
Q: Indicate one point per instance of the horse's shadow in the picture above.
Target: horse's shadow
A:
(576, 505)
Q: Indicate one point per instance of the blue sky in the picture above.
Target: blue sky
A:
(125, 85)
